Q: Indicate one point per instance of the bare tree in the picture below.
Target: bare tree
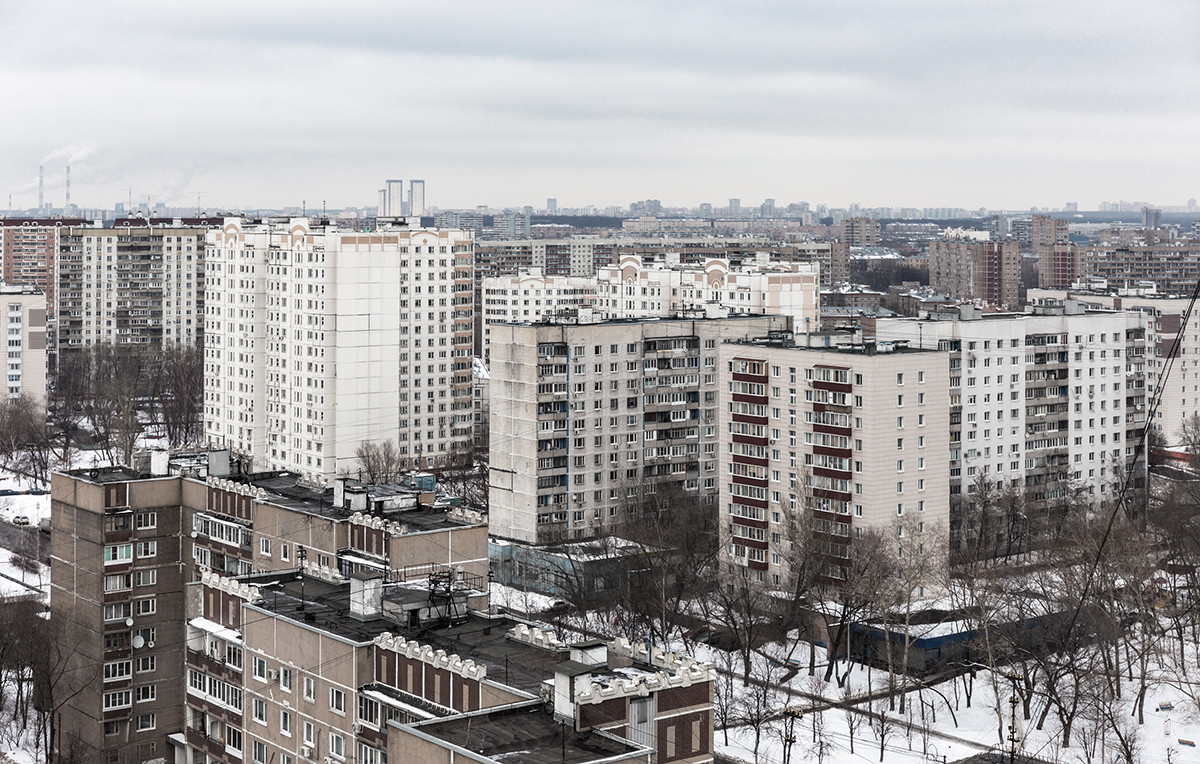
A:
(378, 462)
(1189, 438)
(854, 596)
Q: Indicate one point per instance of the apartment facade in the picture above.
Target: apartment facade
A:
(319, 339)
(25, 347)
(856, 435)
(28, 249)
(585, 418)
(859, 232)
(125, 543)
(1058, 264)
(632, 289)
(1052, 405)
(118, 563)
(530, 296)
(140, 282)
(1172, 355)
(987, 271)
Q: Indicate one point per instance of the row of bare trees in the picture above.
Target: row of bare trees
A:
(105, 396)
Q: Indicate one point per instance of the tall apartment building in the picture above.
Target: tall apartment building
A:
(140, 282)
(28, 247)
(855, 434)
(117, 572)
(1174, 379)
(586, 418)
(1050, 404)
(631, 289)
(529, 296)
(25, 332)
(1058, 264)
(860, 232)
(1173, 266)
(319, 339)
(987, 271)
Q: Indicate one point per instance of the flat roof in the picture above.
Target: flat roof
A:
(480, 637)
(525, 733)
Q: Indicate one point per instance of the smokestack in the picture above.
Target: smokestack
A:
(68, 186)
(41, 185)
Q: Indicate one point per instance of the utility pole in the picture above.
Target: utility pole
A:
(1012, 725)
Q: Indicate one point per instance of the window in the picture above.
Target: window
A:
(116, 670)
(285, 679)
(259, 668)
(260, 710)
(117, 611)
(118, 553)
(145, 722)
(285, 552)
(117, 699)
(145, 693)
(145, 606)
(285, 722)
(310, 733)
(146, 664)
(264, 547)
(337, 745)
(145, 577)
(147, 548)
(260, 752)
(118, 582)
(337, 700)
(368, 711)
(371, 755)
(310, 689)
(145, 520)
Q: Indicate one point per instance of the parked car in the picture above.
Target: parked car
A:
(558, 607)
(20, 520)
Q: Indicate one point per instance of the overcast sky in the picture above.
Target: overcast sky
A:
(881, 102)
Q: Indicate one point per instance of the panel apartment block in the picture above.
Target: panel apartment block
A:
(586, 418)
(320, 339)
(856, 435)
(138, 283)
(25, 342)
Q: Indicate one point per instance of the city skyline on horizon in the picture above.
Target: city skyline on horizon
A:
(921, 105)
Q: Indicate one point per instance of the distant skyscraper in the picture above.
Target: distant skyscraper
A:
(394, 201)
(735, 208)
(552, 206)
(1151, 217)
(1058, 265)
(705, 210)
(1072, 207)
(416, 197)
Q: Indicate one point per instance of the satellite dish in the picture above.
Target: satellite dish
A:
(138, 641)
(129, 622)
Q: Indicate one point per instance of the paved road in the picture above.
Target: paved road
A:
(25, 540)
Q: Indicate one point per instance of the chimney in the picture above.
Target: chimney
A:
(366, 596)
(41, 185)
(68, 204)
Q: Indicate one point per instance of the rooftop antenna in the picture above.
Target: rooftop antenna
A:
(198, 195)
(301, 556)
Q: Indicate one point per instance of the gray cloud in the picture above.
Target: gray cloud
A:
(913, 103)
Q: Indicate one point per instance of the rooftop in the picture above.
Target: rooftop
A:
(325, 605)
(526, 733)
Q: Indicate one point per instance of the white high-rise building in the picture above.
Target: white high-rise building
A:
(416, 198)
(25, 321)
(319, 339)
(1051, 405)
(393, 199)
